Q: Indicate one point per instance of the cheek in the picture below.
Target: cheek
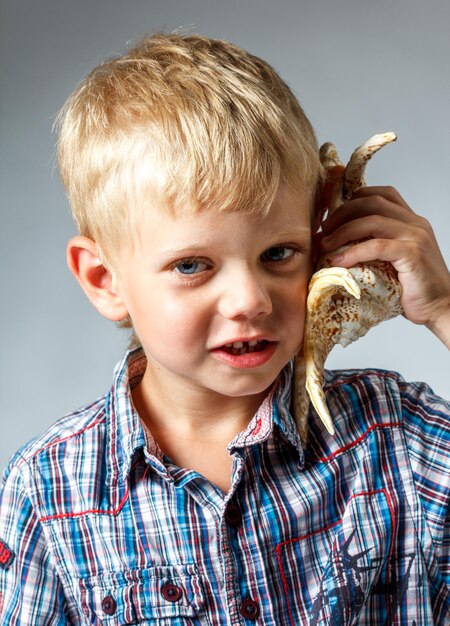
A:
(292, 307)
(294, 295)
(179, 321)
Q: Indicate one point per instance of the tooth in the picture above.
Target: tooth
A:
(252, 343)
(238, 344)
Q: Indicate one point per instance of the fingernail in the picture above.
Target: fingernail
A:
(338, 258)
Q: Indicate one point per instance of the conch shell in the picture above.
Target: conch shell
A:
(342, 304)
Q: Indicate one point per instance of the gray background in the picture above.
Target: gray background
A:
(358, 67)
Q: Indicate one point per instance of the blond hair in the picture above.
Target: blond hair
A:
(185, 121)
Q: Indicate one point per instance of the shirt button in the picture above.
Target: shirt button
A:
(109, 605)
(233, 515)
(171, 592)
(250, 609)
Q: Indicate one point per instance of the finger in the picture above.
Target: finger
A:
(368, 206)
(386, 191)
(374, 227)
(400, 253)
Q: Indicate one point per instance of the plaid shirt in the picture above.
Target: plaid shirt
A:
(97, 527)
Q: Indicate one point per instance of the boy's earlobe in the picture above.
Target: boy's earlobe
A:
(95, 279)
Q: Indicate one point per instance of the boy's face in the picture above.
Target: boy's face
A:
(196, 284)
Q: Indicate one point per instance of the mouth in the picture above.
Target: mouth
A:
(245, 347)
(242, 354)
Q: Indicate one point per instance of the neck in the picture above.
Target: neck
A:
(190, 411)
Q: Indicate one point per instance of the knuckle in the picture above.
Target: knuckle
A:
(424, 224)
(378, 222)
(395, 196)
(379, 246)
(423, 234)
(421, 246)
(393, 193)
(378, 201)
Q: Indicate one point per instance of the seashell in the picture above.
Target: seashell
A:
(342, 304)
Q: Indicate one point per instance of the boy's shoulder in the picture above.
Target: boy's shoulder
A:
(361, 401)
(66, 432)
(95, 430)
(71, 467)
(377, 414)
(380, 391)
(81, 461)
(53, 469)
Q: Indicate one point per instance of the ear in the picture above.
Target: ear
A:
(97, 281)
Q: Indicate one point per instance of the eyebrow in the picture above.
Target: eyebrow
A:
(286, 233)
(295, 230)
(192, 247)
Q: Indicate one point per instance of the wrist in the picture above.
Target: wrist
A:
(440, 324)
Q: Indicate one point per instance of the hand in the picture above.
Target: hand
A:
(384, 227)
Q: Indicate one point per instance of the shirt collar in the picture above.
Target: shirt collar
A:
(273, 412)
(126, 433)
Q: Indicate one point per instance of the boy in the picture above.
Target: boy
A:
(185, 495)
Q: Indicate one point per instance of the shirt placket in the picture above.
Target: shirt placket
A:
(234, 596)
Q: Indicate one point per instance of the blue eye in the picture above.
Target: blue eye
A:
(190, 266)
(278, 253)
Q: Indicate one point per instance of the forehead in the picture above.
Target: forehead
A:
(290, 213)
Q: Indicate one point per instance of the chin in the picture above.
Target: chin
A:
(249, 388)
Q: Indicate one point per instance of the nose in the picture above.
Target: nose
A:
(244, 296)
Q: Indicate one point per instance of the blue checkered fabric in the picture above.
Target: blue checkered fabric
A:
(101, 528)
